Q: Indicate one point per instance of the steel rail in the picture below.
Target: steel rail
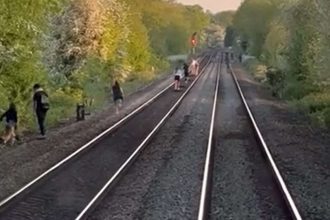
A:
(288, 198)
(208, 161)
(99, 196)
(83, 148)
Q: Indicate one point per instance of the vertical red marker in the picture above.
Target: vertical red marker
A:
(193, 42)
(194, 39)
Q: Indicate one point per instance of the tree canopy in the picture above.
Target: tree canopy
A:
(76, 47)
(291, 37)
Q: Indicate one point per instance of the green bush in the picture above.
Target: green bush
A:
(275, 79)
(256, 69)
(317, 105)
(295, 89)
(75, 49)
(63, 103)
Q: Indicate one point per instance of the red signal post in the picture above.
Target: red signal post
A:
(193, 42)
(194, 39)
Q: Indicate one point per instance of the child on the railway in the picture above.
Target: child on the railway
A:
(118, 95)
(11, 124)
(177, 77)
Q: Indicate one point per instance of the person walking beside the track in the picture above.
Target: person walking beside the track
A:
(118, 95)
(40, 107)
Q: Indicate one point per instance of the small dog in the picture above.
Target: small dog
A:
(9, 135)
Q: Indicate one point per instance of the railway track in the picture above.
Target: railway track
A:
(243, 135)
(74, 186)
(165, 181)
(204, 198)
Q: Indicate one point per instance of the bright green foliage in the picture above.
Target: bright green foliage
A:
(169, 25)
(229, 37)
(292, 37)
(76, 48)
(138, 45)
(275, 44)
(252, 21)
(215, 34)
(21, 26)
(220, 31)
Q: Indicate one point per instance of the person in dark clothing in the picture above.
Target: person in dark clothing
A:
(186, 72)
(10, 114)
(227, 60)
(118, 95)
(41, 106)
(11, 124)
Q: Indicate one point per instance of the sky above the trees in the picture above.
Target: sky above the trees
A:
(214, 5)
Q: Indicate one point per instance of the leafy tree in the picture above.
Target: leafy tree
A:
(22, 24)
(229, 37)
(253, 20)
(224, 18)
(76, 47)
(291, 37)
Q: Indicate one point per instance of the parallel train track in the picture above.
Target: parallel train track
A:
(205, 199)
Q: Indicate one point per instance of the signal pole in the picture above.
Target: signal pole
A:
(193, 42)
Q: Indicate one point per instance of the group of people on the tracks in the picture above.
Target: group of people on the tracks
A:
(40, 108)
(185, 72)
(41, 104)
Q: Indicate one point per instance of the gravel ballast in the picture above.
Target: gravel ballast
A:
(300, 150)
(64, 194)
(20, 164)
(165, 182)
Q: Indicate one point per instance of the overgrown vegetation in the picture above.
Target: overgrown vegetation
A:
(75, 48)
(290, 40)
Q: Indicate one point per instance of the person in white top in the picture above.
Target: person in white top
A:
(194, 68)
